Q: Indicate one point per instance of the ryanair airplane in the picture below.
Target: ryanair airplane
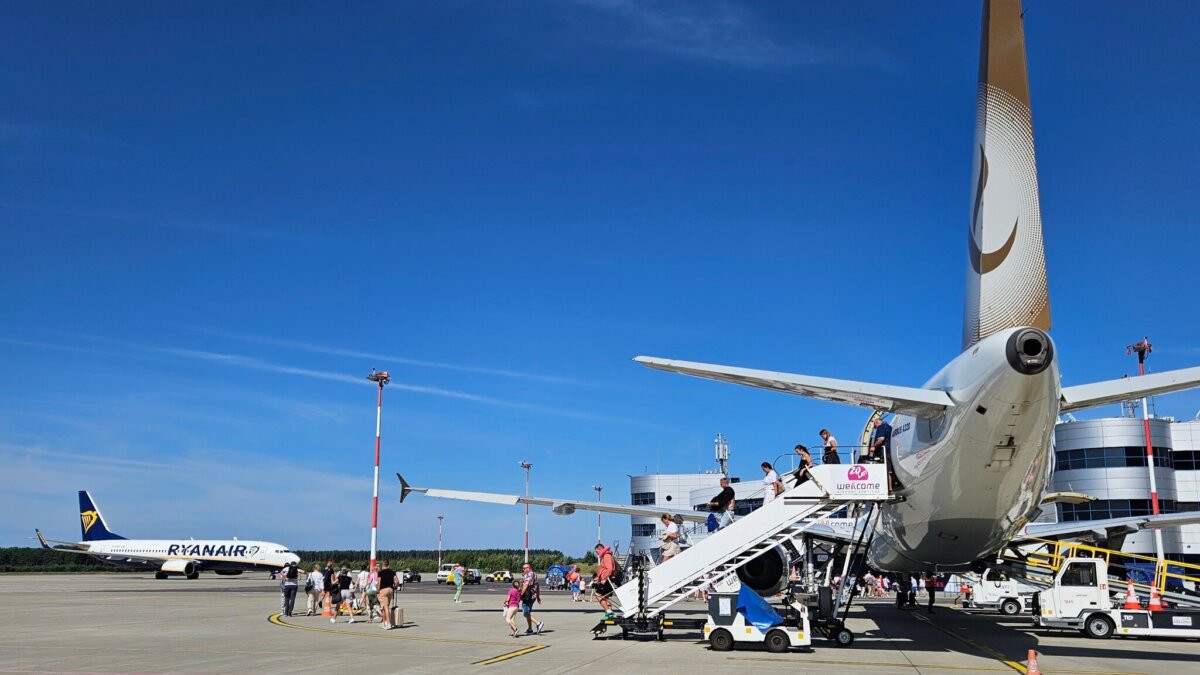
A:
(188, 557)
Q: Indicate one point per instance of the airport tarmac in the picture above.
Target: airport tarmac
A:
(125, 623)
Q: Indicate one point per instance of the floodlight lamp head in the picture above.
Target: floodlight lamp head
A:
(380, 376)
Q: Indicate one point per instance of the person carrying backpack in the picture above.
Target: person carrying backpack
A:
(608, 577)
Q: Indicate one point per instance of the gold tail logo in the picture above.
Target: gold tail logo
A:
(89, 519)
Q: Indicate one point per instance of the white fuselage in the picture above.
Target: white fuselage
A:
(973, 477)
(207, 555)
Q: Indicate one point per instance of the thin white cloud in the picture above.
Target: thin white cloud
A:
(253, 363)
(719, 32)
(386, 358)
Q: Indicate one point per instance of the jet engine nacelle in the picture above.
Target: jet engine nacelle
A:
(767, 574)
(184, 567)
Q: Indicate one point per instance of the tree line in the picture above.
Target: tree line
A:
(36, 559)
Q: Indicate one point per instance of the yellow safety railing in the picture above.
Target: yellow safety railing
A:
(1054, 553)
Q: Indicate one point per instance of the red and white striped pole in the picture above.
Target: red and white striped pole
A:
(1142, 349)
(382, 378)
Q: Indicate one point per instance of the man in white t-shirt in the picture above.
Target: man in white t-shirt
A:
(770, 478)
(670, 538)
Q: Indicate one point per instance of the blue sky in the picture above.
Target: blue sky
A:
(218, 217)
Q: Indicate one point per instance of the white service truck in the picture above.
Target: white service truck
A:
(995, 590)
(1080, 599)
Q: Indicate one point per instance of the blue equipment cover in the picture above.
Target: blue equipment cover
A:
(758, 612)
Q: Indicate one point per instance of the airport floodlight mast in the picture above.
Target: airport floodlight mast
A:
(597, 487)
(1142, 349)
(527, 466)
(722, 447)
(381, 377)
(440, 542)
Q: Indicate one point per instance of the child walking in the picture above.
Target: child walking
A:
(511, 604)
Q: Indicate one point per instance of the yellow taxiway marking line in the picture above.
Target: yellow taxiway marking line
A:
(510, 655)
(977, 645)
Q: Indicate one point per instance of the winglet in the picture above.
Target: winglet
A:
(42, 539)
(405, 488)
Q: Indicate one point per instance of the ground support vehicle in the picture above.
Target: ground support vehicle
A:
(474, 576)
(996, 590)
(502, 576)
(745, 617)
(1080, 599)
(410, 575)
(444, 572)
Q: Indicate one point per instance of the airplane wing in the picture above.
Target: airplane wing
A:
(67, 546)
(562, 507)
(1126, 388)
(903, 400)
(1107, 528)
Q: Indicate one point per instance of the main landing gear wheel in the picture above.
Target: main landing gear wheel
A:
(777, 641)
(720, 640)
(843, 637)
(1010, 607)
(1098, 626)
(194, 575)
(160, 575)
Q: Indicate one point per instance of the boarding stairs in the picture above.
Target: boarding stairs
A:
(782, 522)
(1038, 561)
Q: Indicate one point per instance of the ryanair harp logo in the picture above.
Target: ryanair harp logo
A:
(89, 519)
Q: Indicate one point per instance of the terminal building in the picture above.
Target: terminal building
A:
(1106, 459)
(1103, 458)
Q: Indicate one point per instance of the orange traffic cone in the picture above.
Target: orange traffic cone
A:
(1155, 603)
(1031, 667)
(328, 611)
(1131, 598)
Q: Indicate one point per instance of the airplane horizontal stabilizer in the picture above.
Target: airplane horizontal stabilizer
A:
(1127, 388)
(562, 507)
(903, 400)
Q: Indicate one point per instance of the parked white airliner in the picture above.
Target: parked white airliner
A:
(187, 557)
(972, 448)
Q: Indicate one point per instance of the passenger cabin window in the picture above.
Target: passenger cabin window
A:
(1079, 574)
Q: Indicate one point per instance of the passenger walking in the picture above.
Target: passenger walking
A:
(573, 580)
(314, 588)
(330, 576)
(723, 505)
(772, 487)
(801, 475)
(387, 586)
(343, 594)
(602, 583)
(531, 592)
(460, 578)
(829, 451)
(669, 538)
(289, 584)
(511, 604)
(368, 592)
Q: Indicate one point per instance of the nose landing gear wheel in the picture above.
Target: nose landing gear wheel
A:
(720, 640)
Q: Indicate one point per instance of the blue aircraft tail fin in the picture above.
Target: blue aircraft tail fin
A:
(91, 522)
